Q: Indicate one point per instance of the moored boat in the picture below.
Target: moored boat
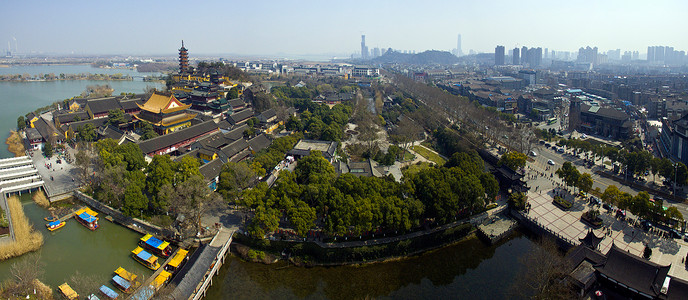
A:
(122, 284)
(163, 277)
(145, 258)
(50, 219)
(55, 225)
(128, 276)
(156, 246)
(92, 297)
(68, 292)
(108, 292)
(87, 217)
(177, 261)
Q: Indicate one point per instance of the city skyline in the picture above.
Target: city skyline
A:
(84, 27)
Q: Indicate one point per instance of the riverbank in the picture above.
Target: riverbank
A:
(310, 254)
(26, 238)
(15, 144)
(19, 290)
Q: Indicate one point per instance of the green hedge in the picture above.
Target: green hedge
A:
(563, 204)
(310, 251)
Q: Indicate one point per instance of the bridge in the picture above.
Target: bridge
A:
(199, 271)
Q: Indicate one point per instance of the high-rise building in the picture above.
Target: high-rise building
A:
(376, 52)
(183, 59)
(458, 46)
(499, 55)
(524, 55)
(588, 55)
(650, 53)
(516, 58)
(364, 48)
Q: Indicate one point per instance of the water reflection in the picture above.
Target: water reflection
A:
(469, 269)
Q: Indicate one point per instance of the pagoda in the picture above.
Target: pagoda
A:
(183, 59)
(165, 113)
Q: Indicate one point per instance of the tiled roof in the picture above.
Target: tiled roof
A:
(211, 169)
(259, 143)
(99, 106)
(165, 141)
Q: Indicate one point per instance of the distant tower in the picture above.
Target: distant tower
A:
(499, 55)
(458, 47)
(516, 56)
(183, 59)
(364, 48)
(574, 113)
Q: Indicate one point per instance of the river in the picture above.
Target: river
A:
(467, 270)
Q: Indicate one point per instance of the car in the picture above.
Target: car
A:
(594, 200)
(533, 154)
(542, 142)
(675, 234)
(685, 236)
(548, 145)
(550, 162)
(620, 213)
(646, 224)
(560, 150)
(584, 136)
(607, 206)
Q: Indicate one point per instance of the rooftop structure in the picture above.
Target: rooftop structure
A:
(165, 113)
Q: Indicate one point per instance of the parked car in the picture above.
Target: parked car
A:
(542, 142)
(560, 150)
(594, 200)
(607, 206)
(675, 234)
(620, 213)
(550, 162)
(533, 154)
(646, 224)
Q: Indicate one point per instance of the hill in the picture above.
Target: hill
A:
(424, 58)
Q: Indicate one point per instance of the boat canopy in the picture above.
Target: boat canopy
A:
(125, 274)
(54, 223)
(87, 210)
(154, 242)
(92, 297)
(121, 282)
(145, 256)
(108, 292)
(88, 218)
(161, 279)
(68, 291)
(178, 258)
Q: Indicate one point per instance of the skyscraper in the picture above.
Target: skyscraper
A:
(458, 47)
(516, 59)
(499, 55)
(364, 48)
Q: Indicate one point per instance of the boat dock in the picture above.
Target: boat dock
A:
(200, 271)
(146, 290)
(496, 227)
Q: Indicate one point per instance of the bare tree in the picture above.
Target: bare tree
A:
(23, 275)
(85, 284)
(545, 274)
(192, 198)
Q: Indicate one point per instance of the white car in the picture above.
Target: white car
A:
(550, 162)
(533, 154)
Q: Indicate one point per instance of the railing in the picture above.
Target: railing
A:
(217, 263)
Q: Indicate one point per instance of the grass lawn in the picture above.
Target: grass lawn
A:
(408, 156)
(424, 152)
(415, 168)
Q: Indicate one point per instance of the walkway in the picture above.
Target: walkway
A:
(17, 174)
(199, 276)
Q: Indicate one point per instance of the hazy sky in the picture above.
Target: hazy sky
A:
(335, 27)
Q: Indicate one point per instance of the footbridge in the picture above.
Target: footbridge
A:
(199, 271)
(17, 175)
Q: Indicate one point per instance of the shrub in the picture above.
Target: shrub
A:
(563, 204)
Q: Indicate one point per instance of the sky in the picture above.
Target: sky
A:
(334, 28)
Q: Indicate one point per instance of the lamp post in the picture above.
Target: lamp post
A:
(675, 177)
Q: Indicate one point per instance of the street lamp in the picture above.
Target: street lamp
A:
(675, 177)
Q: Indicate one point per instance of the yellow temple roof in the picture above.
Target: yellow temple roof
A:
(163, 104)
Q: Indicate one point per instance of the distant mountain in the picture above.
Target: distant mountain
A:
(429, 57)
